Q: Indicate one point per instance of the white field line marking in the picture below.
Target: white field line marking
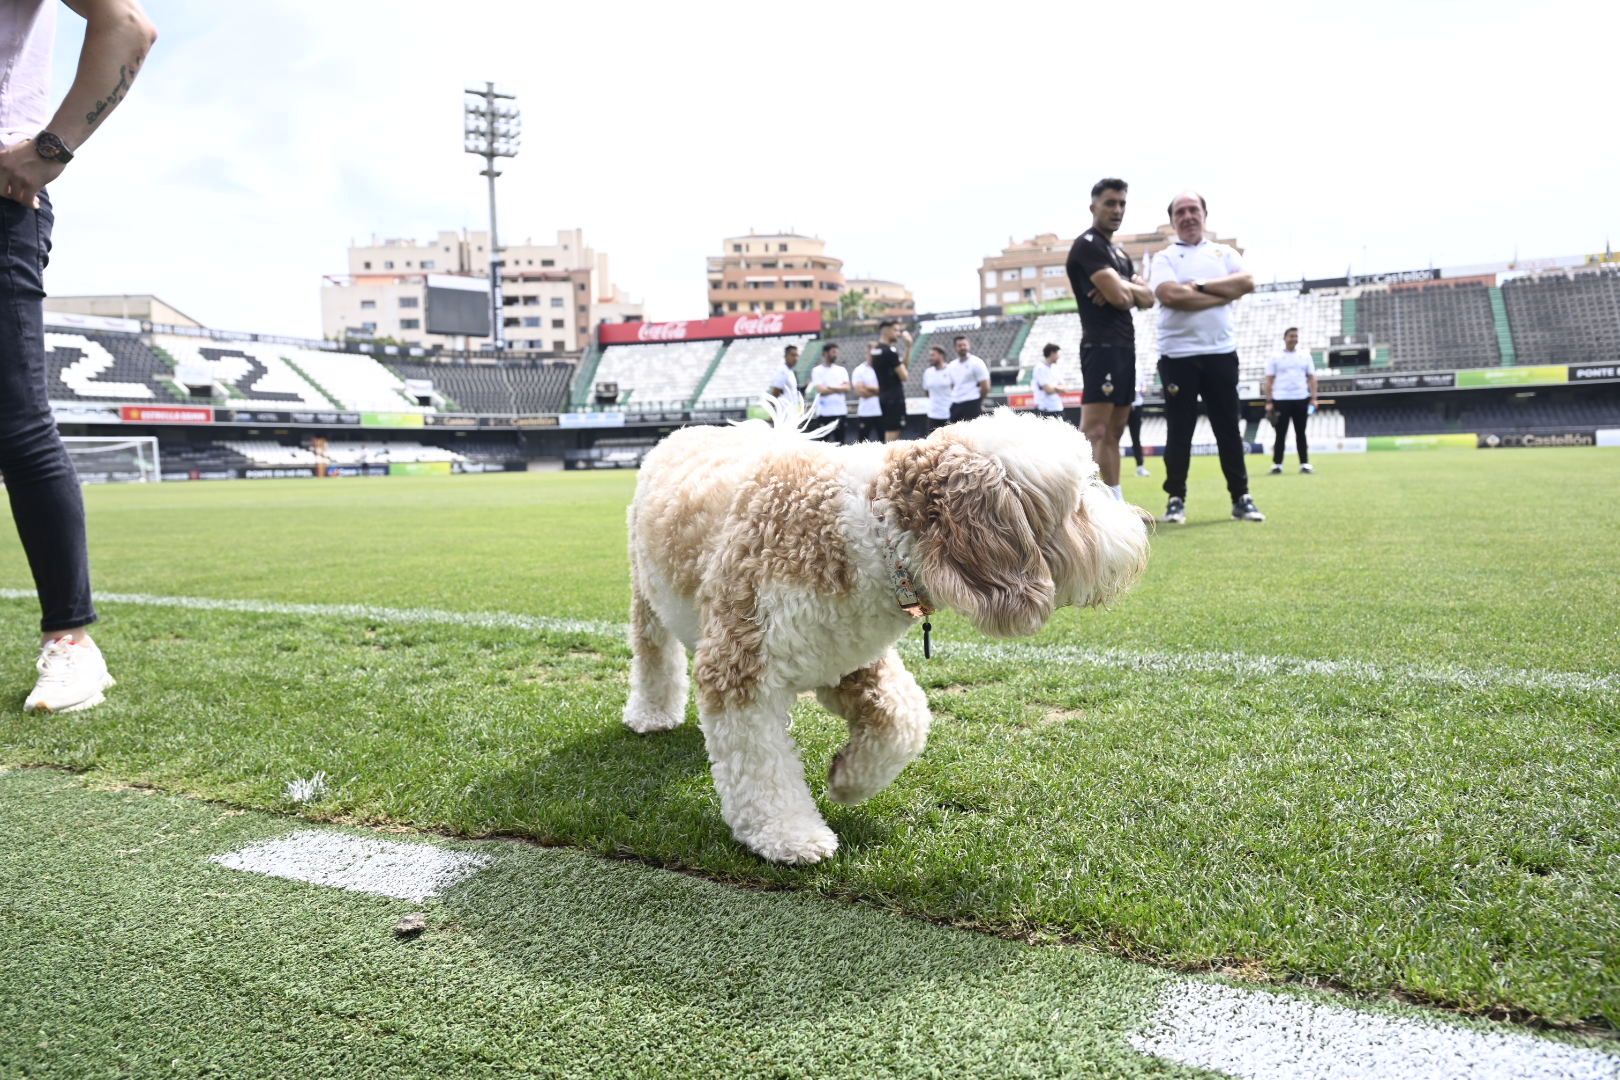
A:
(381, 867)
(1267, 1036)
(1234, 664)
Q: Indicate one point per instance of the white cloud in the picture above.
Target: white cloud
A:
(261, 138)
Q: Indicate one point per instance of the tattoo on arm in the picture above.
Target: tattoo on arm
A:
(126, 75)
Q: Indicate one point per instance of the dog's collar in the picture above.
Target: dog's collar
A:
(909, 595)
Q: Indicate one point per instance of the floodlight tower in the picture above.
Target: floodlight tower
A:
(493, 130)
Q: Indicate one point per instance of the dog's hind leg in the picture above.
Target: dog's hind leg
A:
(657, 669)
(888, 727)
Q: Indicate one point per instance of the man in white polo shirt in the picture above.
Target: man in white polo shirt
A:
(1195, 282)
(868, 408)
(832, 383)
(937, 382)
(1290, 396)
(970, 382)
(1048, 392)
(785, 383)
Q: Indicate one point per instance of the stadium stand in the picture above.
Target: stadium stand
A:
(1260, 319)
(541, 388)
(1565, 317)
(251, 373)
(103, 367)
(475, 388)
(746, 368)
(1326, 425)
(667, 373)
(993, 343)
(1503, 415)
(354, 380)
(1437, 328)
(269, 453)
(349, 452)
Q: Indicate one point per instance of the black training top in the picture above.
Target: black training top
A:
(1105, 325)
(886, 362)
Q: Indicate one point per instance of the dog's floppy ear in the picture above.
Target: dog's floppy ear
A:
(979, 554)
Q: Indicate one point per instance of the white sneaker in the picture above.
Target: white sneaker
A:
(1142, 470)
(1306, 469)
(1276, 470)
(72, 676)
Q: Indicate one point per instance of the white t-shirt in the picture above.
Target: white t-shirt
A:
(1194, 333)
(1047, 399)
(785, 381)
(27, 32)
(831, 401)
(1292, 371)
(937, 381)
(865, 375)
(965, 378)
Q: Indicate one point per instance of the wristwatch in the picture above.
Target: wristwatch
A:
(51, 147)
(1199, 285)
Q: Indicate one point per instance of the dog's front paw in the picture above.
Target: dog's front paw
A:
(798, 848)
(643, 718)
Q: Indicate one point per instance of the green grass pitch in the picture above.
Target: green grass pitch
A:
(1433, 813)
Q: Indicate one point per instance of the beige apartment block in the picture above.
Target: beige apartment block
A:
(774, 272)
(141, 306)
(885, 299)
(553, 295)
(1033, 271)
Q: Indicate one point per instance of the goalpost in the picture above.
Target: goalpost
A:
(114, 459)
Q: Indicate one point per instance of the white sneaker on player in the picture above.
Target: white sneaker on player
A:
(72, 676)
(1306, 468)
(1276, 470)
(1142, 470)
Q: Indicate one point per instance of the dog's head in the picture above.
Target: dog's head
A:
(1009, 521)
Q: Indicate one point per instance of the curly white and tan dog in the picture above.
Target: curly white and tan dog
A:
(787, 564)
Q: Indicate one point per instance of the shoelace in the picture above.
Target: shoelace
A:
(55, 659)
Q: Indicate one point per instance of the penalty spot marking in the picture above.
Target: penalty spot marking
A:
(1266, 1036)
(1168, 663)
(380, 867)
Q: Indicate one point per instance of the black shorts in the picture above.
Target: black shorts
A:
(871, 429)
(1108, 374)
(934, 423)
(966, 410)
(894, 412)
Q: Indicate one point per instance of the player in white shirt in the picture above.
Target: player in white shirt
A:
(785, 383)
(832, 383)
(937, 382)
(970, 382)
(1134, 424)
(867, 406)
(1290, 395)
(1195, 282)
(1048, 391)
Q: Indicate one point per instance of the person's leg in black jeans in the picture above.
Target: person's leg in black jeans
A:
(40, 481)
(1300, 414)
(1135, 425)
(1181, 377)
(1279, 424)
(1219, 383)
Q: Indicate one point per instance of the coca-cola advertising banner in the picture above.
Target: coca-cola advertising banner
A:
(764, 324)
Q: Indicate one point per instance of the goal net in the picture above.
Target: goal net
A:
(124, 459)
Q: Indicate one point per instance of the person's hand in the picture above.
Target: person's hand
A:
(23, 172)
(1098, 298)
(1138, 279)
(905, 336)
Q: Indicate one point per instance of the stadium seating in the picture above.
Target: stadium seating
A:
(1565, 318)
(1437, 328)
(746, 369)
(355, 380)
(993, 343)
(354, 452)
(1432, 417)
(663, 374)
(475, 388)
(1327, 425)
(253, 374)
(1258, 321)
(265, 452)
(106, 367)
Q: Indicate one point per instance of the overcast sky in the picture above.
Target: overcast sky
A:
(915, 139)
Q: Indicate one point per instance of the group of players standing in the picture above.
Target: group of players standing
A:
(1193, 281)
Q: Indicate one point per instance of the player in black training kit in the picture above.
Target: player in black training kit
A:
(1107, 289)
(889, 361)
